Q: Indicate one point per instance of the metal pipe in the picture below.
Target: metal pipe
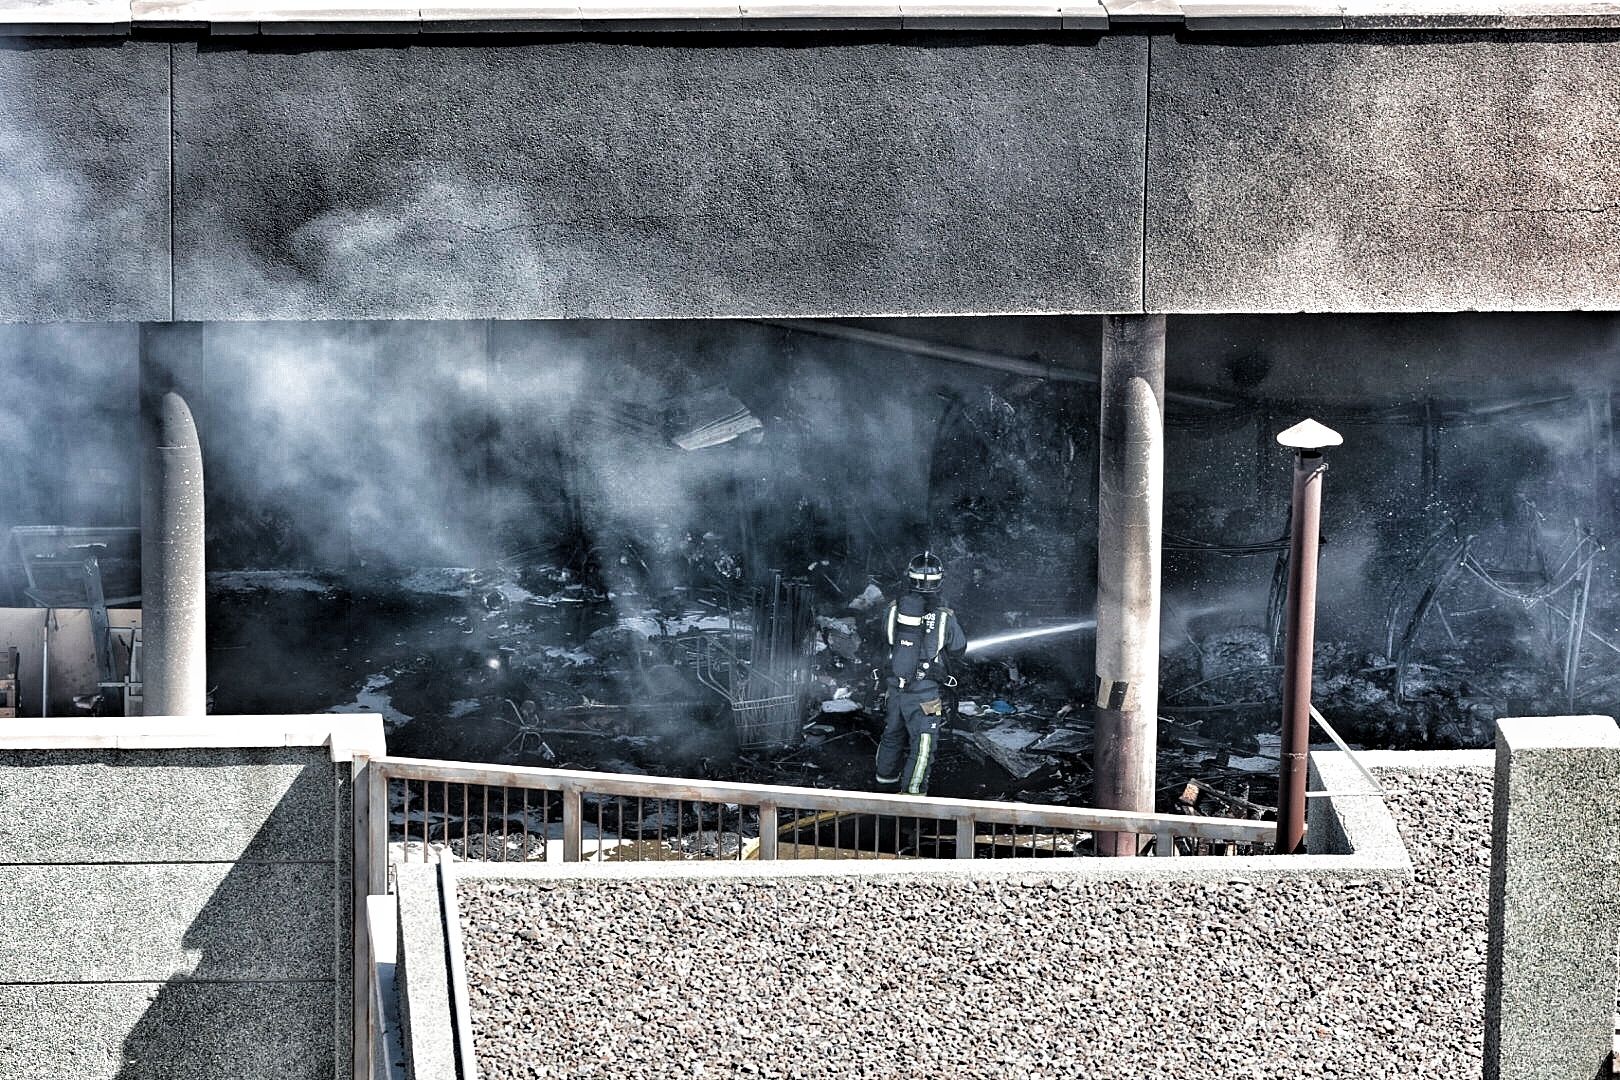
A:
(172, 561)
(956, 354)
(1130, 507)
(45, 667)
(1307, 439)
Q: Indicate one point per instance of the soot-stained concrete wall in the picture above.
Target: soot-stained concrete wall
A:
(84, 180)
(1393, 172)
(174, 914)
(717, 175)
(621, 177)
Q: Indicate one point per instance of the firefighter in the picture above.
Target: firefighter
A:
(922, 632)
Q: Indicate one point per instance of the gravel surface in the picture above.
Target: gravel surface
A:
(814, 978)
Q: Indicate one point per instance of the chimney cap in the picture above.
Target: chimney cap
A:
(1309, 435)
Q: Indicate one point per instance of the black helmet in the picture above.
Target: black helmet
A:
(926, 572)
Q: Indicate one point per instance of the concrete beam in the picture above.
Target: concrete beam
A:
(1555, 898)
(423, 975)
(1338, 173)
(343, 735)
(84, 178)
(820, 175)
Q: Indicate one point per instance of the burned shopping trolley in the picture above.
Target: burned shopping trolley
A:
(760, 663)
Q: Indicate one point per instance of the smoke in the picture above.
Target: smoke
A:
(357, 447)
(456, 443)
(336, 446)
(67, 449)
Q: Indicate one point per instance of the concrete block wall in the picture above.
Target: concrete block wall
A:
(178, 910)
(1555, 899)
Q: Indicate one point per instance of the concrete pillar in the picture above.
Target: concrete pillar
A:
(173, 630)
(1130, 503)
(1555, 899)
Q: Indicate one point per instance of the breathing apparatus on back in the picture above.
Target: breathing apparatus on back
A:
(917, 626)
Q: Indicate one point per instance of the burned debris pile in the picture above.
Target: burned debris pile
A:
(694, 568)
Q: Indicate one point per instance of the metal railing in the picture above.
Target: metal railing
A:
(421, 809)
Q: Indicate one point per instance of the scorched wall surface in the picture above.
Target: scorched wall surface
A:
(652, 177)
(84, 180)
(806, 174)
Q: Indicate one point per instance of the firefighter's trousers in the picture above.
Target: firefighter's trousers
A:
(910, 739)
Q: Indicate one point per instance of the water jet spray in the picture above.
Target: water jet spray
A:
(981, 644)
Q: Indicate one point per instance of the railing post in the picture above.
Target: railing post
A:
(376, 795)
(1165, 843)
(964, 838)
(767, 832)
(1555, 898)
(363, 1020)
(573, 826)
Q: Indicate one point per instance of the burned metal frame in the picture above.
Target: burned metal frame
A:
(1532, 590)
(760, 664)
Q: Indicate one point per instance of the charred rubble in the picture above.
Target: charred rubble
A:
(668, 643)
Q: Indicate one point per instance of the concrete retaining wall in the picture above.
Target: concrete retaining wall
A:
(826, 173)
(1366, 959)
(175, 910)
(1369, 962)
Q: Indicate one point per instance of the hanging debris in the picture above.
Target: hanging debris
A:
(709, 418)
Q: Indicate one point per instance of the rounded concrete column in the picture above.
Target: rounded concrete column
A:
(173, 625)
(1129, 512)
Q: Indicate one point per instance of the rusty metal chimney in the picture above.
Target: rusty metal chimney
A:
(1307, 439)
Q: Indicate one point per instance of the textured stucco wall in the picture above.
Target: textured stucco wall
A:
(711, 175)
(174, 914)
(1384, 172)
(84, 180)
(805, 174)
